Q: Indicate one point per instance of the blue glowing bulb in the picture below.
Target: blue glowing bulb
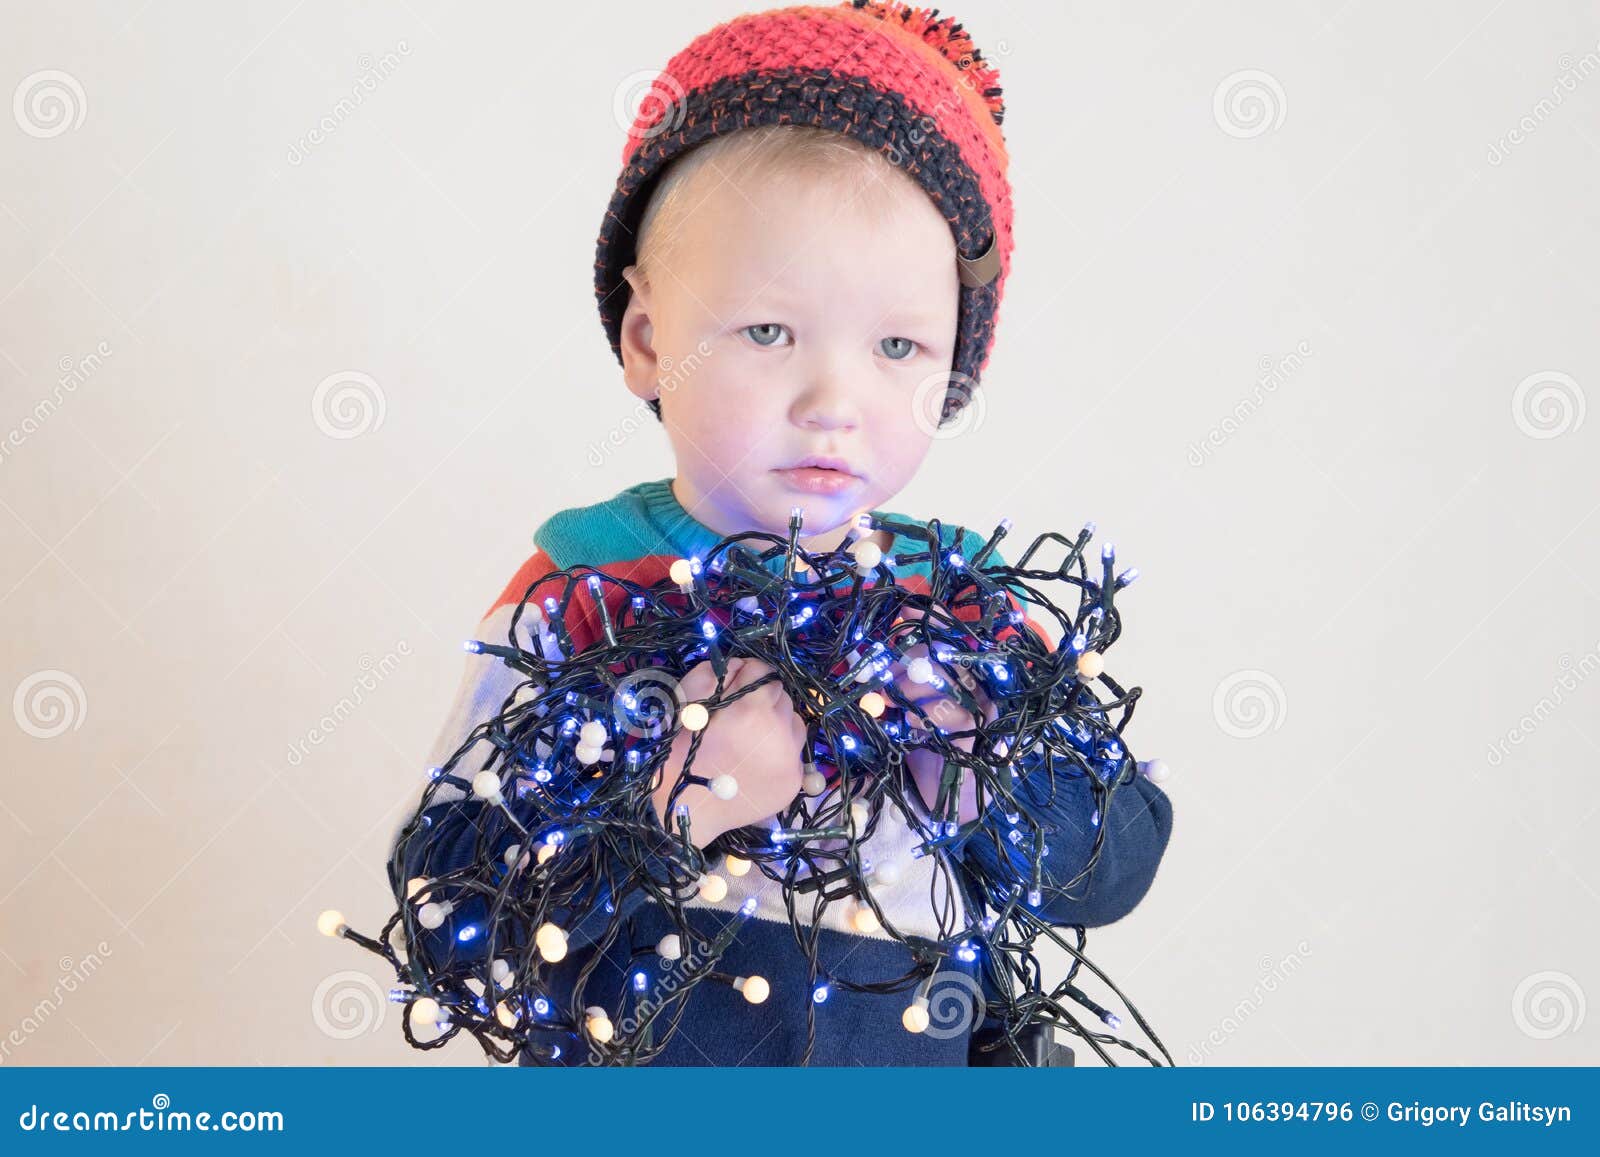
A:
(638, 981)
(467, 933)
(748, 906)
(435, 772)
(967, 952)
(541, 1006)
(848, 741)
(472, 647)
(820, 992)
(1034, 898)
(957, 561)
(708, 628)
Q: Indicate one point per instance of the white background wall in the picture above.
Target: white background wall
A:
(1378, 572)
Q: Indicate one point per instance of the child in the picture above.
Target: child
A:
(799, 272)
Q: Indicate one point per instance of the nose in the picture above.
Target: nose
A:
(827, 402)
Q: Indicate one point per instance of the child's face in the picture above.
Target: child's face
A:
(791, 321)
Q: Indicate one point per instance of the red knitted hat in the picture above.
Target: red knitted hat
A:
(900, 80)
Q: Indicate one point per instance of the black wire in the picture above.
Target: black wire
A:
(1053, 723)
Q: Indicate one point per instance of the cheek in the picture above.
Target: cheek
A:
(897, 431)
(721, 403)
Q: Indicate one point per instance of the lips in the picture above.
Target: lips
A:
(821, 462)
(817, 474)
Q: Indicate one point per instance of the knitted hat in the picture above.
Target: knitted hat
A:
(900, 80)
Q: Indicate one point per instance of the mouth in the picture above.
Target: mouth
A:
(816, 474)
(821, 462)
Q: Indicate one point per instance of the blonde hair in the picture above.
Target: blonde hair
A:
(803, 152)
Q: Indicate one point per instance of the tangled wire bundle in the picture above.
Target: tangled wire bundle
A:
(564, 827)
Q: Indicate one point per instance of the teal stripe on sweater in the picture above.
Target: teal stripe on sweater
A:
(648, 519)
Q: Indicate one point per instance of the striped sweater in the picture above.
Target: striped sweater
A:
(637, 535)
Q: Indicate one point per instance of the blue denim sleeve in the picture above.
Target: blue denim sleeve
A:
(1137, 823)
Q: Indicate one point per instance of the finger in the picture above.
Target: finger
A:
(697, 682)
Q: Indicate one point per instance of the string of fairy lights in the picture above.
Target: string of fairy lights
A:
(557, 831)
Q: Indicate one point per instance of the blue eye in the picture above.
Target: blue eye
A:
(897, 349)
(766, 334)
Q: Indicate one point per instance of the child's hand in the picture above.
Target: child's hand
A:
(758, 740)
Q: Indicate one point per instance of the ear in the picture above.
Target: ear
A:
(639, 362)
